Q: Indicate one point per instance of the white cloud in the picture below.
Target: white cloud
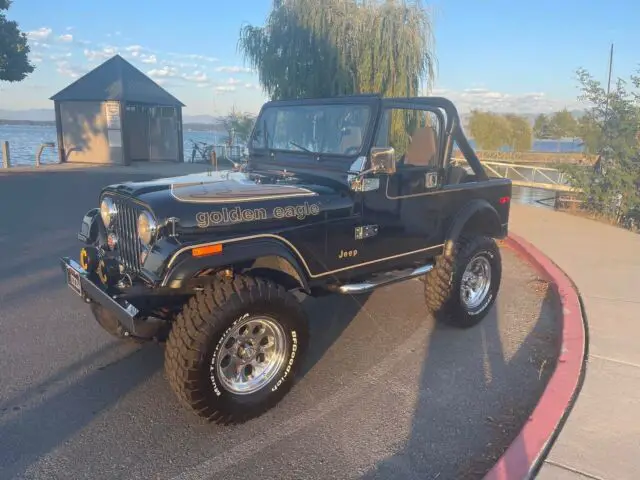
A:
(148, 59)
(104, 54)
(134, 48)
(193, 56)
(184, 64)
(68, 70)
(43, 33)
(68, 29)
(252, 86)
(59, 56)
(234, 70)
(196, 76)
(164, 72)
(233, 81)
(225, 88)
(67, 37)
(500, 102)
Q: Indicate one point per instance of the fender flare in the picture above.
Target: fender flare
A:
(187, 266)
(476, 209)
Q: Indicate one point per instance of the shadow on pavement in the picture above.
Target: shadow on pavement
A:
(33, 432)
(28, 434)
(329, 317)
(444, 423)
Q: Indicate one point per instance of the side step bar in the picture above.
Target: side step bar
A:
(388, 279)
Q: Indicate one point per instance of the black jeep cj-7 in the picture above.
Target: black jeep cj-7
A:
(338, 196)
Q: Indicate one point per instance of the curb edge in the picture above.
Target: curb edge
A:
(525, 455)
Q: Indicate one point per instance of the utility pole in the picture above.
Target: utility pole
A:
(609, 80)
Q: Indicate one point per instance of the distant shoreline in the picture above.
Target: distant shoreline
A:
(204, 127)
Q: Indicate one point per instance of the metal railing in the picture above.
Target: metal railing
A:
(202, 152)
(5, 153)
(526, 175)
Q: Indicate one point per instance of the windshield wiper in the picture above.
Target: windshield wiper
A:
(300, 146)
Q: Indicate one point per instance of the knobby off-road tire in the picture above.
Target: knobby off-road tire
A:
(446, 284)
(222, 330)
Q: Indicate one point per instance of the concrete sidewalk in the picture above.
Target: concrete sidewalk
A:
(601, 438)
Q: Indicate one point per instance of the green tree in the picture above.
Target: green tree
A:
(311, 48)
(520, 136)
(590, 133)
(563, 124)
(14, 50)
(489, 130)
(542, 126)
(612, 123)
(238, 125)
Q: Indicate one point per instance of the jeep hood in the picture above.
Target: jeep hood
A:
(219, 199)
(212, 188)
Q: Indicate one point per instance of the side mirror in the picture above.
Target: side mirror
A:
(383, 160)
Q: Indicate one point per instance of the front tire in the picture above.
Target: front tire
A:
(234, 350)
(463, 286)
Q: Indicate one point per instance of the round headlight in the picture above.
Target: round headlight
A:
(107, 211)
(146, 228)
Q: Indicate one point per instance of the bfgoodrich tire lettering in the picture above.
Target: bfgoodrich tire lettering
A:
(445, 283)
(197, 342)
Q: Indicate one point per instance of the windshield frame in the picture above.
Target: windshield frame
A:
(372, 102)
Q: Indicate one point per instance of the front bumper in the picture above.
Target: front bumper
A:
(78, 280)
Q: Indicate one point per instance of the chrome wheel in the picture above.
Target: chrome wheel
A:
(476, 282)
(250, 355)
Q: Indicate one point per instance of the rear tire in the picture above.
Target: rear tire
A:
(234, 350)
(463, 286)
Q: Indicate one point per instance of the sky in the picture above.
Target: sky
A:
(516, 56)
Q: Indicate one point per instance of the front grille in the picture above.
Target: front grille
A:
(126, 229)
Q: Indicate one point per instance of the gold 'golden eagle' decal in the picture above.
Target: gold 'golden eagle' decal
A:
(237, 214)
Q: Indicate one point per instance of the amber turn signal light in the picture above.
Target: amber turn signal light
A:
(208, 250)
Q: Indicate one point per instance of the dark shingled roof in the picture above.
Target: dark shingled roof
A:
(117, 79)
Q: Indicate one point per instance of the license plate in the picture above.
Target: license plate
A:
(73, 280)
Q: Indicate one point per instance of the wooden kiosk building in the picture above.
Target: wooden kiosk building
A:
(115, 114)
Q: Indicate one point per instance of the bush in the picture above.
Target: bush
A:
(611, 188)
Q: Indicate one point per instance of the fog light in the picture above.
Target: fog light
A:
(108, 271)
(89, 258)
(112, 241)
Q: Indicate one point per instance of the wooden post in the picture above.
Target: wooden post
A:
(214, 158)
(6, 155)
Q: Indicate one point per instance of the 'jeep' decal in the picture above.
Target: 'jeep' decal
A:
(237, 214)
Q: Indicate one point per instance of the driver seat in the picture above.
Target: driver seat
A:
(423, 149)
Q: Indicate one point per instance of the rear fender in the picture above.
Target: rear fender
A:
(263, 256)
(477, 217)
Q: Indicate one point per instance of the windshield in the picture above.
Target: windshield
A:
(321, 129)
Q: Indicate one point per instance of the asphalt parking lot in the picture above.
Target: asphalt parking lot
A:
(386, 393)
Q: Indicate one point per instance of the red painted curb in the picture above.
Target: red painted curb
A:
(525, 452)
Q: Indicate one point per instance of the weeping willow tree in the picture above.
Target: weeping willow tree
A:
(312, 48)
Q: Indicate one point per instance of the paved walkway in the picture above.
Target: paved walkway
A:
(601, 438)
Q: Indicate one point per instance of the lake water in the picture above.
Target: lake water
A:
(24, 141)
